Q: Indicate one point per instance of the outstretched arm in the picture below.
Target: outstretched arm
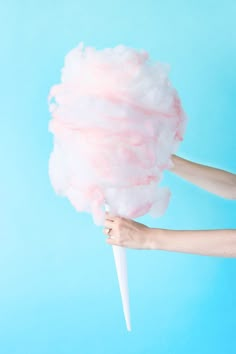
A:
(218, 243)
(212, 179)
(132, 234)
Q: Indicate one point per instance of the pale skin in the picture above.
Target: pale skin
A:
(219, 243)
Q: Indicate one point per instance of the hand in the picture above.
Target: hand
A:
(126, 233)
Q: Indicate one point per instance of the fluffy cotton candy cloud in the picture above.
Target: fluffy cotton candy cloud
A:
(116, 121)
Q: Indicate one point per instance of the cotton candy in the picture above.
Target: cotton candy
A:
(116, 121)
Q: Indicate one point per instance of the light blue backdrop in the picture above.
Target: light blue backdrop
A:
(58, 287)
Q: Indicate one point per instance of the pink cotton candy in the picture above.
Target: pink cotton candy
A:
(116, 120)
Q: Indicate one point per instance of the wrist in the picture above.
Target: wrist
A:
(176, 160)
(156, 238)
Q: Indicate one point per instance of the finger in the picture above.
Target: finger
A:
(112, 241)
(109, 224)
(109, 216)
(107, 231)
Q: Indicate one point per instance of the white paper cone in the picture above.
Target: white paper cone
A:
(121, 269)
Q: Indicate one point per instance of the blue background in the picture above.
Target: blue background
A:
(58, 287)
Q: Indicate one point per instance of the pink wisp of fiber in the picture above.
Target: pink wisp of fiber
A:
(116, 121)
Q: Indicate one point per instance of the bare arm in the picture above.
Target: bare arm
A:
(213, 180)
(132, 234)
(218, 243)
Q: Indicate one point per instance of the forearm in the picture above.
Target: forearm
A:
(218, 243)
(213, 180)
